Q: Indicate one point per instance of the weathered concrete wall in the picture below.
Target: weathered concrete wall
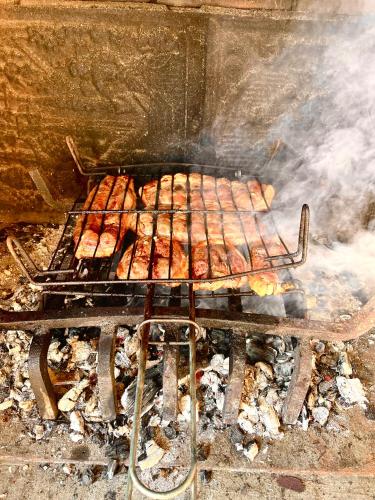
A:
(136, 82)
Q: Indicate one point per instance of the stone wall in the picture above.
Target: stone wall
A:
(141, 82)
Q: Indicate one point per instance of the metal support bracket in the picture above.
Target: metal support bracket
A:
(39, 376)
(299, 384)
(106, 377)
(237, 362)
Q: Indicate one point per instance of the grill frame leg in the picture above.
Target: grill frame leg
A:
(105, 371)
(233, 392)
(170, 382)
(300, 382)
(39, 377)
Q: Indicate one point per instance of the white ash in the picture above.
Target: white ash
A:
(154, 454)
(251, 451)
(351, 390)
(70, 398)
(77, 423)
(268, 374)
(320, 414)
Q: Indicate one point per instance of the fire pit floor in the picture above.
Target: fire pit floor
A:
(333, 456)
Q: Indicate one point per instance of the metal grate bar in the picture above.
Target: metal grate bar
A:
(66, 270)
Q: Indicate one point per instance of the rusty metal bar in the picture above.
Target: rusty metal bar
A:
(38, 276)
(39, 377)
(44, 191)
(299, 384)
(237, 362)
(170, 381)
(105, 370)
(358, 325)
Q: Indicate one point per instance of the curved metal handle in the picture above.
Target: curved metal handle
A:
(133, 477)
(303, 238)
(16, 250)
(78, 161)
(44, 191)
(15, 246)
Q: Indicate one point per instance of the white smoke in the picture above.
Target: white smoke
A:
(328, 160)
(337, 174)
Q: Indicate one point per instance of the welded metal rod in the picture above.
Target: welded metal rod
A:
(358, 325)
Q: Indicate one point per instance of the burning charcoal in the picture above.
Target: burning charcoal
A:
(320, 414)
(131, 345)
(154, 421)
(283, 358)
(269, 417)
(15, 394)
(217, 336)
(121, 360)
(87, 477)
(351, 390)
(70, 398)
(92, 408)
(203, 451)
(75, 437)
(170, 432)
(261, 380)
(212, 380)
(154, 455)
(283, 370)
(220, 399)
(111, 469)
(206, 476)
(343, 365)
(337, 346)
(153, 383)
(311, 398)
(277, 343)
(258, 351)
(303, 419)
(272, 396)
(236, 435)
(251, 451)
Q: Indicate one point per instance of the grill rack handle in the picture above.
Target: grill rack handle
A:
(190, 479)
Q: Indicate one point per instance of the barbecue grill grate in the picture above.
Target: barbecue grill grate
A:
(66, 270)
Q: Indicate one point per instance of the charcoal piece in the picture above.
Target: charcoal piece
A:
(206, 476)
(153, 383)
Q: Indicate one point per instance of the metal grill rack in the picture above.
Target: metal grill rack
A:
(66, 270)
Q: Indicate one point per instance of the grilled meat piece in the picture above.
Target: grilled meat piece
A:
(224, 261)
(252, 195)
(265, 283)
(98, 235)
(172, 192)
(137, 256)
